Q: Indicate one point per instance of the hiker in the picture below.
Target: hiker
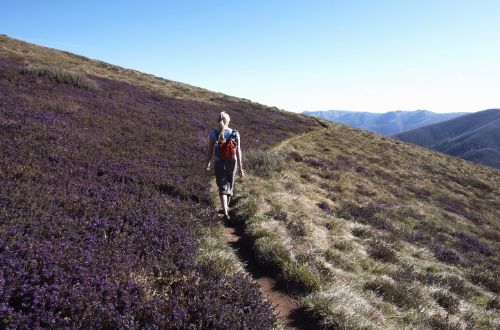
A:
(224, 147)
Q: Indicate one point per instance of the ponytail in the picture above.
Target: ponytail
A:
(223, 120)
(221, 130)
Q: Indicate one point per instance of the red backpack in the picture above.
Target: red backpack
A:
(227, 148)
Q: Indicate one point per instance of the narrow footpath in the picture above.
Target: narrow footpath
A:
(286, 306)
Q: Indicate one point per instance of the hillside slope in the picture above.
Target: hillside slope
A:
(375, 233)
(389, 123)
(103, 198)
(475, 137)
(29, 53)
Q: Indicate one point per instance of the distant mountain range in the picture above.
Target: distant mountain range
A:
(475, 137)
(388, 123)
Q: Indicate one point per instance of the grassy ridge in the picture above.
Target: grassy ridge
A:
(22, 51)
(103, 199)
(18, 50)
(376, 233)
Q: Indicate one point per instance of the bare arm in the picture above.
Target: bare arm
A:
(238, 157)
(210, 152)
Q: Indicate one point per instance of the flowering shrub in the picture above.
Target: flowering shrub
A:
(469, 242)
(325, 206)
(315, 162)
(442, 253)
(101, 200)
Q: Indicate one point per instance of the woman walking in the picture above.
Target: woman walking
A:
(225, 151)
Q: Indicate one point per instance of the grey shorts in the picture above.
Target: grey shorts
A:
(225, 171)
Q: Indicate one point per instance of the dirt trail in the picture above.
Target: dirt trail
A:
(286, 306)
(290, 316)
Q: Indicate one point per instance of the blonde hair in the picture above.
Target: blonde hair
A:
(223, 120)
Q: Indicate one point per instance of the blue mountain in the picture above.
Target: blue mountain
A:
(388, 123)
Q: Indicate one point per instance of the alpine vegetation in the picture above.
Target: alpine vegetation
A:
(378, 234)
(107, 216)
(102, 206)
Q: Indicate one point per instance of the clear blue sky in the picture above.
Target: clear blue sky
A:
(440, 55)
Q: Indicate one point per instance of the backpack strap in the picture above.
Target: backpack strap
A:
(216, 134)
(235, 134)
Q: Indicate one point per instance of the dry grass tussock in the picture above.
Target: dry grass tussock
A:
(214, 252)
(61, 76)
(342, 307)
(391, 235)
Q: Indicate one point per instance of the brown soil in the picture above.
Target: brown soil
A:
(286, 306)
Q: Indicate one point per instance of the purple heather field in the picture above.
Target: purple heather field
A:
(102, 198)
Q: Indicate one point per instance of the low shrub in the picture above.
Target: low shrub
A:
(494, 304)
(447, 301)
(437, 321)
(361, 169)
(325, 207)
(306, 176)
(263, 162)
(296, 227)
(366, 214)
(442, 253)
(314, 162)
(455, 284)
(457, 207)
(278, 214)
(469, 242)
(488, 278)
(290, 185)
(61, 76)
(362, 190)
(362, 232)
(472, 182)
(420, 192)
(295, 156)
(382, 251)
(343, 163)
(405, 273)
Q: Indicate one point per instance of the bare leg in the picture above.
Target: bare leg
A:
(223, 201)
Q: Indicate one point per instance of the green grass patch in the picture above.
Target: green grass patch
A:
(301, 278)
